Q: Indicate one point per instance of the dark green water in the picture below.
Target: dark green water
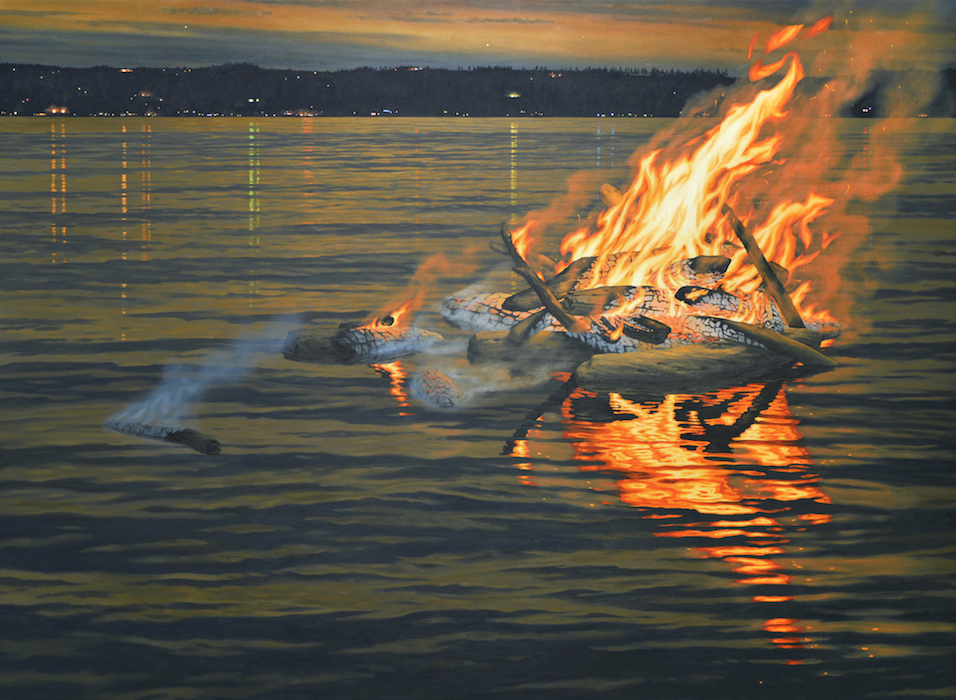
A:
(785, 540)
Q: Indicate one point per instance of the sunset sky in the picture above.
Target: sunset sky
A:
(336, 34)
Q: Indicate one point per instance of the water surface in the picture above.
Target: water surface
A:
(791, 539)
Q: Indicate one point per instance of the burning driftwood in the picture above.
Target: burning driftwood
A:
(683, 335)
(380, 341)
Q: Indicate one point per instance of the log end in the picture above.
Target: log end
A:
(195, 440)
(312, 345)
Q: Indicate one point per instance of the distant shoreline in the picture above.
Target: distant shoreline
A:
(244, 90)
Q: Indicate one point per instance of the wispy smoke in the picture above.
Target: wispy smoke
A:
(183, 386)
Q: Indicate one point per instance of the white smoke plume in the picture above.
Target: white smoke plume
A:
(184, 386)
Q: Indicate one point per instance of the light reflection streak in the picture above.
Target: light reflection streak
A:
(147, 183)
(254, 205)
(514, 171)
(726, 467)
(253, 176)
(58, 183)
(397, 376)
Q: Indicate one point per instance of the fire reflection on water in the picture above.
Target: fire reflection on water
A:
(723, 471)
(397, 376)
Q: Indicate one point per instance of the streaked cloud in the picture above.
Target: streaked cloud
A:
(332, 34)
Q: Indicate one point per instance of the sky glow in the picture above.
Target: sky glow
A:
(333, 35)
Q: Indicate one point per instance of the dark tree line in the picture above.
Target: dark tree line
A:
(247, 90)
(242, 89)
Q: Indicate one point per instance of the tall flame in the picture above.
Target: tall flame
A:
(672, 209)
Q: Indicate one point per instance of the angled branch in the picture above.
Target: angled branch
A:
(550, 302)
(767, 273)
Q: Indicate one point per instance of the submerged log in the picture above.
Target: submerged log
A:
(686, 369)
(437, 389)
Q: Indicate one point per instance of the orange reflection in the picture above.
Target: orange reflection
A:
(397, 375)
(726, 468)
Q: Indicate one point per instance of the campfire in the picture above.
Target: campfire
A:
(680, 282)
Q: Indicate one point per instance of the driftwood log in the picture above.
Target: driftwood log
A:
(357, 344)
(556, 351)
(689, 369)
(175, 434)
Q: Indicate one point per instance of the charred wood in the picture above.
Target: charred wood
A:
(767, 273)
(547, 297)
(560, 284)
(646, 330)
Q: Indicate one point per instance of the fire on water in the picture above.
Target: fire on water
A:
(672, 210)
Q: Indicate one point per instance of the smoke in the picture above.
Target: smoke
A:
(426, 279)
(184, 386)
(562, 214)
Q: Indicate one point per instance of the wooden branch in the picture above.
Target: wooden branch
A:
(522, 330)
(780, 343)
(551, 303)
(560, 284)
(769, 277)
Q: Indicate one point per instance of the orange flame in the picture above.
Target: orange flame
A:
(672, 209)
(391, 320)
(669, 208)
(821, 25)
(521, 237)
(782, 37)
(753, 45)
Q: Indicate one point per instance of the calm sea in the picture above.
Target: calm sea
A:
(784, 540)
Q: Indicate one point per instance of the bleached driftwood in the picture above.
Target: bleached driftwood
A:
(357, 344)
(689, 369)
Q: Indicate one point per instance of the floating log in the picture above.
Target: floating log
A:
(780, 343)
(555, 350)
(538, 261)
(767, 274)
(609, 194)
(523, 330)
(686, 369)
(357, 345)
(647, 330)
(593, 302)
(166, 433)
